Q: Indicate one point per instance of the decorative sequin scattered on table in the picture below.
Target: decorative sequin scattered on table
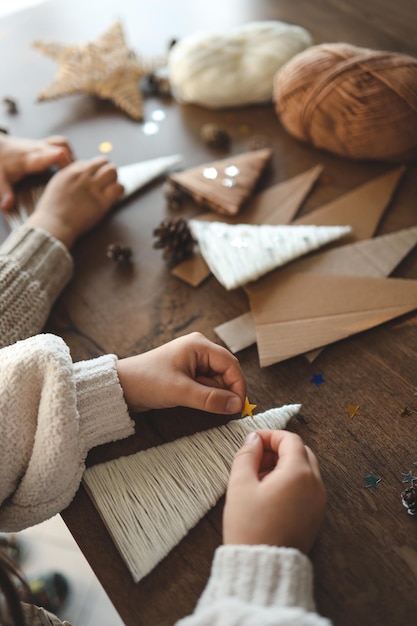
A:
(371, 480)
(317, 379)
(150, 128)
(105, 147)
(409, 478)
(352, 410)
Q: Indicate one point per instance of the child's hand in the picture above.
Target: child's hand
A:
(21, 157)
(76, 198)
(275, 494)
(189, 371)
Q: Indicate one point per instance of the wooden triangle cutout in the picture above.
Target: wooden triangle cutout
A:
(276, 205)
(224, 185)
(241, 253)
(333, 308)
(151, 499)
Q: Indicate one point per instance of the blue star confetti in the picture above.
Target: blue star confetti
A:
(409, 478)
(371, 480)
(317, 379)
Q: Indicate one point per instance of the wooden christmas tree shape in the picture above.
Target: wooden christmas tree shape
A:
(224, 185)
(241, 253)
(150, 500)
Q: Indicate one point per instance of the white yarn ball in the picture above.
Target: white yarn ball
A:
(235, 67)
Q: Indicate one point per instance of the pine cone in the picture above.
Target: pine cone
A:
(174, 237)
(409, 500)
(214, 136)
(120, 254)
(173, 195)
(258, 142)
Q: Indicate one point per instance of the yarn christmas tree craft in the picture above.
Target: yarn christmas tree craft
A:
(241, 253)
(133, 177)
(151, 499)
(275, 205)
(224, 185)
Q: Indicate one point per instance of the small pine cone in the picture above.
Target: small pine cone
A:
(11, 105)
(409, 500)
(154, 84)
(258, 142)
(173, 195)
(215, 137)
(120, 254)
(174, 237)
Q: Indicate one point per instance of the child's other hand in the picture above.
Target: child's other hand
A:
(76, 199)
(275, 494)
(190, 371)
(21, 157)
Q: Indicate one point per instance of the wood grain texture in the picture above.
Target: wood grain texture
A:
(365, 560)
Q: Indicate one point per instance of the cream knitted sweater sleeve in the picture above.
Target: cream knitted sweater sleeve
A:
(51, 413)
(257, 585)
(34, 268)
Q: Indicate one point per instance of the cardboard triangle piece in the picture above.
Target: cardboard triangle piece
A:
(333, 308)
(276, 205)
(241, 253)
(371, 257)
(136, 175)
(225, 185)
(238, 333)
(362, 208)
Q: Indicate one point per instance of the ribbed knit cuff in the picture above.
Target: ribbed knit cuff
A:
(262, 575)
(104, 415)
(42, 256)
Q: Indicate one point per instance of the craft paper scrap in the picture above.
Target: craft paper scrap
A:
(308, 311)
(151, 499)
(276, 205)
(362, 208)
(371, 257)
(225, 185)
(241, 253)
(238, 333)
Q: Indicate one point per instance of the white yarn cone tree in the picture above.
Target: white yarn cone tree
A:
(240, 253)
(151, 499)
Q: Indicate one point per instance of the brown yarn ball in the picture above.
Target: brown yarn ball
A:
(354, 102)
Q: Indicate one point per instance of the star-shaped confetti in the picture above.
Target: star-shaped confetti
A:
(409, 478)
(317, 379)
(248, 408)
(105, 68)
(371, 480)
(352, 410)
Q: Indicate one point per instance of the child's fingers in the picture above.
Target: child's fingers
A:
(113, 193)
(247, 463)
(106, 175)
(6, 194)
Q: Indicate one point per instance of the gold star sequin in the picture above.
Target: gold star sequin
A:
(105, 147)
(105, 68)
(352, 410)
(248, 408)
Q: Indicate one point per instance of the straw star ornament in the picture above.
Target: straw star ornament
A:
(106, 68)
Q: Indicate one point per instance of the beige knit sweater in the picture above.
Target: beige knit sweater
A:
(53, 411)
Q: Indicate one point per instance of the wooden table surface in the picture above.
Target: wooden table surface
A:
(365, 560)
